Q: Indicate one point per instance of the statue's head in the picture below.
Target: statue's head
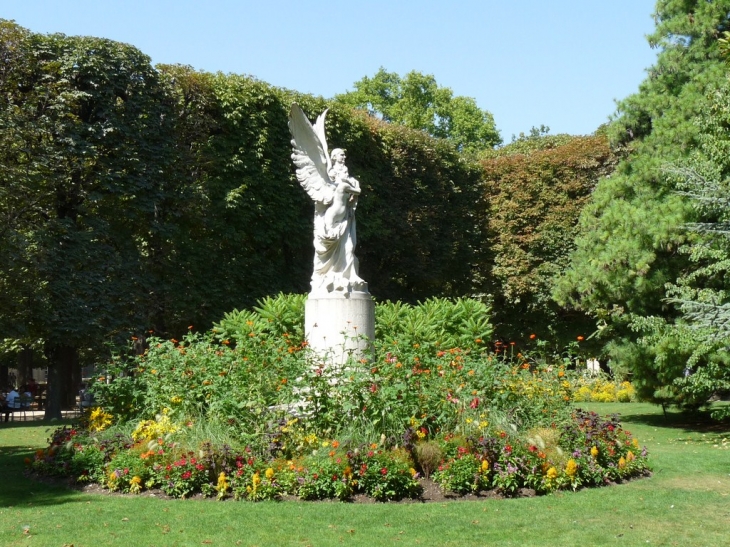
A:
(338, 154)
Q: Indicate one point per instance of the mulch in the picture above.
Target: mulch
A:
(432, 492)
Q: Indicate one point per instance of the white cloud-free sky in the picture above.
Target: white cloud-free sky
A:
(560, 63)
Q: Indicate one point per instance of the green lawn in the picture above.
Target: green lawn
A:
(686, 503)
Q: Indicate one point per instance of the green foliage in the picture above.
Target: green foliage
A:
(689, 360)
(64, 116)
(418, 102)
(326, 476)
(386, 475)
(127, 189)
(429, 371)
(536, 188)
(435, 323)
(630, 231)
(463, 475)
(272, 317)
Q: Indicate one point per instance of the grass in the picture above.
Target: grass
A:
(686, 503)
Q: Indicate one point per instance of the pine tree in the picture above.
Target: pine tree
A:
(631, 231)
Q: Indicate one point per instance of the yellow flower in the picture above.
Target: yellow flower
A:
(635, 442)
(413, 472)
(630, 456)
(594, 451)
(269, 473)
(552, 473)
(149, 430)
(176, 400)
(485, 466)
(256, 479)
(99, 420)
(621, 463)
(135, 485)
(222, 485)
(571, 468)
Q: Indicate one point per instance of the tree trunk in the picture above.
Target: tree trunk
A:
(25, 366)
(62, 360)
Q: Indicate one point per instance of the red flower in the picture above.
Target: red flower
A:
(186, 475)
(474, 402)
(384, 471)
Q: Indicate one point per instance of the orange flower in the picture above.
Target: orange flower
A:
(580, 339)
(533, 336)
(335, 444)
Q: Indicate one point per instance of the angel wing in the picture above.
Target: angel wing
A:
(310, 155)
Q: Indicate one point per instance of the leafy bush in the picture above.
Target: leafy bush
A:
(464, 474)
(247, 411)
(386, 474)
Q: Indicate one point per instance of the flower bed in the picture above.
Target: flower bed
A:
(212, 415)
(587, 451)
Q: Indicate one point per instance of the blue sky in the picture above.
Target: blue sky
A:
(560, 63)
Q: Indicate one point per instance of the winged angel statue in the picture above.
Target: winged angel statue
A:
(327, 181)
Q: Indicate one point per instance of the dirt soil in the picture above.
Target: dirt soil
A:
(432, 493)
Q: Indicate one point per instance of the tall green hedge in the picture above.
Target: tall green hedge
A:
(536, 189)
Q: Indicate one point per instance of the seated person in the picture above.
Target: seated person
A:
(26, 397)
(12, 402)
(32, 387)
(86, 398)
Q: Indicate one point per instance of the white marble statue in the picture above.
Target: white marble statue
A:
(327, 181)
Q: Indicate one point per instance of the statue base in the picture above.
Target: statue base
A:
(339, 325)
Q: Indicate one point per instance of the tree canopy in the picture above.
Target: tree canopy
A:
(631, 230)
(418, 102)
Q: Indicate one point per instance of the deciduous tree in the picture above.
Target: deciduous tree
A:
(418, 102)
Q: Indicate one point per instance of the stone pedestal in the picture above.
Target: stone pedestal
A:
(337, 325)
